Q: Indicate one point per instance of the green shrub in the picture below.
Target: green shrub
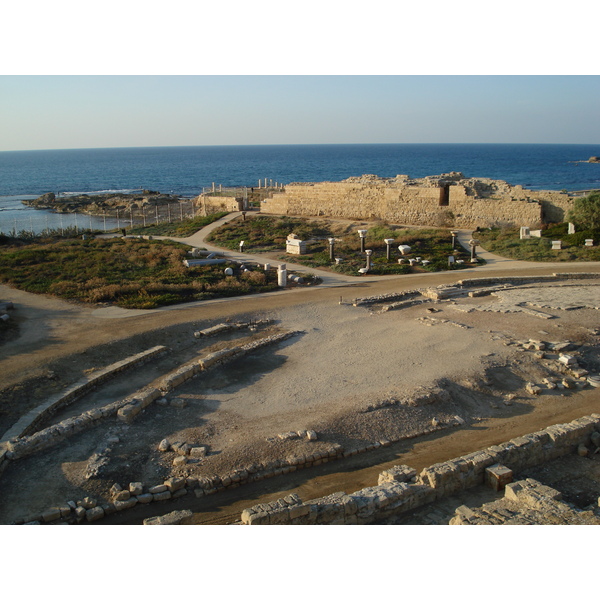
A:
(131, 273)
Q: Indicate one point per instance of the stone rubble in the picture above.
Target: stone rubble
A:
(400, 489)
(525, 502)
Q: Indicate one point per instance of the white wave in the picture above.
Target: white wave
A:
(127, 191)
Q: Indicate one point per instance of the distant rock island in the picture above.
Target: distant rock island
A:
(594, 159)
(98, 204)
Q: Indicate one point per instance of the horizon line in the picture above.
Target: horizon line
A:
(312, 144)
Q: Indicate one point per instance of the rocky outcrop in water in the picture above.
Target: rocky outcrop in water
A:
(101, 203)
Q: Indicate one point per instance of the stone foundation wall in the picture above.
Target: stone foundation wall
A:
(446, 200)
(400, 490)
(32, 420)
(208, 205)
(127, 409)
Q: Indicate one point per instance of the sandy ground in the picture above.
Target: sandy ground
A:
(350, 374)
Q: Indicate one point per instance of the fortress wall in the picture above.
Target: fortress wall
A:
(490, 212)
(408, 204)
(555, 206)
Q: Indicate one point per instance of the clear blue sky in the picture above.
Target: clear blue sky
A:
(46, 112)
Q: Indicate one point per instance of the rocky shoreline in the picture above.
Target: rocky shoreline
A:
(103, 204)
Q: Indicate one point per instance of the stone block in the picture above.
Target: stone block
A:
(258, 518)
(51, 515)
(122, 496)
(177, 517)
(128, 412)
(162, 496)
(198, 451)
(177, 447)
(88, 503)
(175, 483)
(298, 511)
(397, 473)
(498, 476)
(136, 488)
(115, 489)
(567, 359)
(124, 504)
(93, 514)
(145, 498)
(280, 517)
(108, 508)
(158, 489)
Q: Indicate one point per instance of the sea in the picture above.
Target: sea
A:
(188, 170)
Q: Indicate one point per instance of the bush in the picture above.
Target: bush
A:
(586, 211)
(128, 272)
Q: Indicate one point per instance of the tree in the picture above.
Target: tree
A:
(586, 211)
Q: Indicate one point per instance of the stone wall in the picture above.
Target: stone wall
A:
(32, 420)
(207, 204)
(400, 489)
(447, 200)
(127, 409)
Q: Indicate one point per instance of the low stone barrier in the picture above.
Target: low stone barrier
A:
(171, 381)
(410, 297)
(400, 489)
(31, 421)
(475, 282)
(222, 356)
(55, 434)
(89, 509)
(128, 408)
(223, 327)
(400, 296)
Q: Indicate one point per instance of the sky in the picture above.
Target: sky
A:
(128, 75)
(85, 111)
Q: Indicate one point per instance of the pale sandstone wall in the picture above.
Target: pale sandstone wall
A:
(207, 205)
(468, 203)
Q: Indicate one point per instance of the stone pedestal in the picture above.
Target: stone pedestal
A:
(498, 476)
(295, 246)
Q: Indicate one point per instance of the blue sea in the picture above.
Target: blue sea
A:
(187, 170)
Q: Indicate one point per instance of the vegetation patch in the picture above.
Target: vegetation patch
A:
(132, 273)
(506, 242)
(269, 234)
(265, 234)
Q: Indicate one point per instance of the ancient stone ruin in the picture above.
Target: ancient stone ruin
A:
(450, 199)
